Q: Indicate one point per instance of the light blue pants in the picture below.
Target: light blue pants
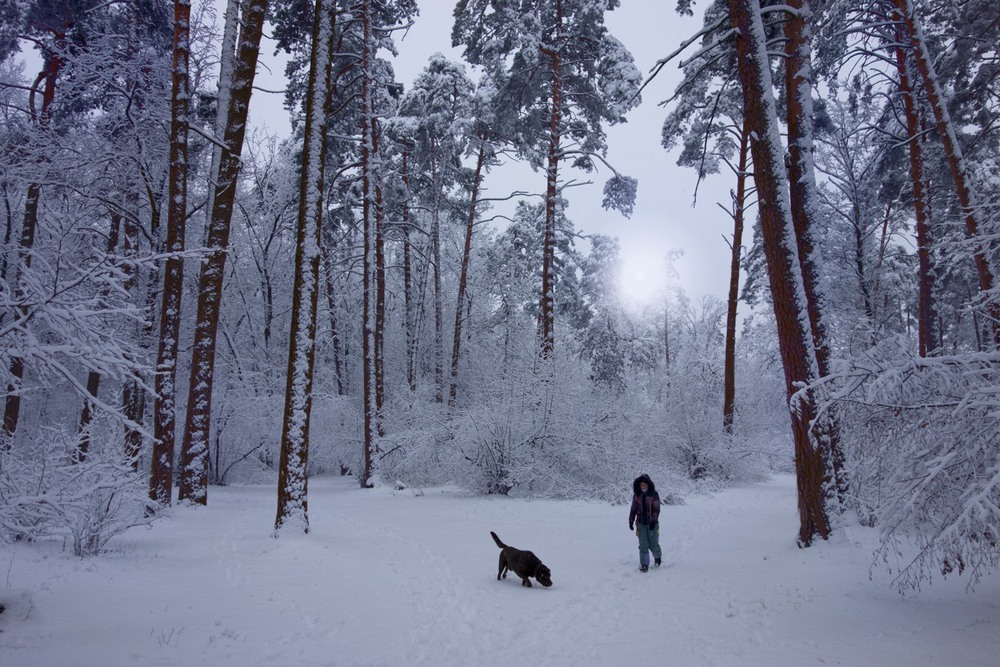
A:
(649, 540)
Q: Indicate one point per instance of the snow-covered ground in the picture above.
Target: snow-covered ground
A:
(406, 579)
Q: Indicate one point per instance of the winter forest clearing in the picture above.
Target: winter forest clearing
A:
(397, 578)
(245, 341)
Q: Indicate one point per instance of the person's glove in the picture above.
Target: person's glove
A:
(653, 525)
(631, 526)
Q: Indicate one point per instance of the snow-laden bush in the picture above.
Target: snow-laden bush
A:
(335, 435)
(494, 443)
(922, 440)
(419, 449)
(46, 493)
(247, 438)
(577, 442)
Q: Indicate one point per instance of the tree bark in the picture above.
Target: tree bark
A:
(379, 337)
(436, 281)
(48, 76)
(739, 208)
(546, 313)
(464, 275)
(409, 324)
(133, 391)
(804, 200)
(94, 377)
(193, 483)
(331, 305)
(926, 315)
(955, 158)
(784, 269)
(292, 478)
(161, 475)
(368, 156)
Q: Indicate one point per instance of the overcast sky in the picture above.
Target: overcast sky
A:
(664, 218)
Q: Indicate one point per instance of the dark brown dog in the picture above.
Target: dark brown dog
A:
(522, 563)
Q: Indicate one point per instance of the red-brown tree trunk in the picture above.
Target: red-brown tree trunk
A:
(368, 315)
(292, 474)
(804, 199)
(379, 339)
(194, 462)
(164, 417)
(926, 314)
(739, 208)
(133, 392)
(409, 325)
(546, 312)
(48, 76)
(784, 270)
(94, 377)
(956, 162)
(331, 306)
(463, 278)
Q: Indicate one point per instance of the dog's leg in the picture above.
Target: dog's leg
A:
(525, 582)
(502, 568)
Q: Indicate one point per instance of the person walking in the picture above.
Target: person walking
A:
(644, 519)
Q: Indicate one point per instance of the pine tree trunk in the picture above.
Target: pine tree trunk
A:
(292, 478)
(409, 324)
(804, 199)
(8, 230)
(368, 221)
(666, 339)
(133, 392)
(860, 265)
(436, 262)
(379, 334)
(956, 162)
(784, 270)
(12, 403)
(331, 305)
(464, 275)
(546, 312)
(193, 482)
(926, 314)
(161, 475)
(739, 207)
(94, 377)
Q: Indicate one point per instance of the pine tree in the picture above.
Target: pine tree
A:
(236, 84)
(563, 76)
(784, 269)
(292, 478)
(54, 27)
(164, 410)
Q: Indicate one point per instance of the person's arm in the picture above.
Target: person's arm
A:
(632, 513)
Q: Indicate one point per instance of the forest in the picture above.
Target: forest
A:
(187, 303)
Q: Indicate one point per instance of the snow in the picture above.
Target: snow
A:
(409, 578)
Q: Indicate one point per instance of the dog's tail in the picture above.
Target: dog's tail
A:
(497, 540)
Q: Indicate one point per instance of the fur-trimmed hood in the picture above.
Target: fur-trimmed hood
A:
(643, 478)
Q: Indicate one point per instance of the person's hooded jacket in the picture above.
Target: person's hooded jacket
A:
(645, 506)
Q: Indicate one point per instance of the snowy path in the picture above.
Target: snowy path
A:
(401, 579)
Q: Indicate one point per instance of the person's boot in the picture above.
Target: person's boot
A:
(643, 568)
(657, 561)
